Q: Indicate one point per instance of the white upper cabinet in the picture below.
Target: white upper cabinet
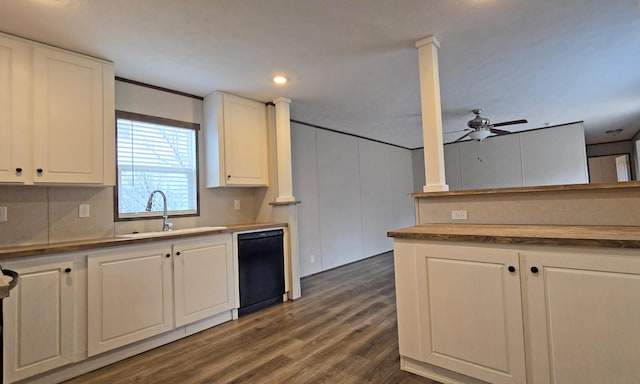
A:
(57, 124)
(68, 124)
(14, 108)
(236, 141)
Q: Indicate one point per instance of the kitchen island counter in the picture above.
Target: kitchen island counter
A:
(561, 235)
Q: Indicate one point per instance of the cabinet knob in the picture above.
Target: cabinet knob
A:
(168, 255)
(228, 176)
(534, 269)
(178, 253)
(39, 170)
(18, 170)
(67, 270)
(511, 268)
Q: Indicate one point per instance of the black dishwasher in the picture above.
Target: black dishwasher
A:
(261, 269)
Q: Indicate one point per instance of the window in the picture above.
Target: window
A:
(155, 154)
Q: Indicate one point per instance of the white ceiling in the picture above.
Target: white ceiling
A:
(352, 64)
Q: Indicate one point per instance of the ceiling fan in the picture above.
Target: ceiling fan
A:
(481, 127)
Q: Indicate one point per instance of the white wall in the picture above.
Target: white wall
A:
(352, 191)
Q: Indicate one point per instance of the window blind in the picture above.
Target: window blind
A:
(154, 156)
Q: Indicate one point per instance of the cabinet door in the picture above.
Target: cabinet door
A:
(38, 320)
(203, 278)
(582, 318)
(469, 314)
(129, 295)
(14, 109)
(68, 118)
(245, 141)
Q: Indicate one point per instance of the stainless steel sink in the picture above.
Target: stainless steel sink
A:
(169, 233)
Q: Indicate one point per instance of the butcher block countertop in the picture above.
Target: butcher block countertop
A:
(71, 246)
(629, 185)
(567, 235)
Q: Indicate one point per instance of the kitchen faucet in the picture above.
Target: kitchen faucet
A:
(166, 224)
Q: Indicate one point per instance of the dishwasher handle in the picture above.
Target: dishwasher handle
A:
(260, 235)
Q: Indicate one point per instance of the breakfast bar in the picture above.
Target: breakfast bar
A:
(527, 298)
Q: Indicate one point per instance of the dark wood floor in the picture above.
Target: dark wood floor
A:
(342, 330)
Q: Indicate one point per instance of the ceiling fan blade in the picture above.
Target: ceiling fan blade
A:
(459, 130)
(500, 131)
(466, 134)
(509, 123)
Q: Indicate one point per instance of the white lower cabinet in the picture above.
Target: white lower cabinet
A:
(140, 291)
(203, 278)
(129, 295)
(38, 327)
(583, 317)
(474, 314)
(460, 308)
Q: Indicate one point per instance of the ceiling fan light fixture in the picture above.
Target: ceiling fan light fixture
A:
(480, 134)
(614, 132)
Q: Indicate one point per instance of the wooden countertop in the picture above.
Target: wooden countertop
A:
(543, 188)
(581, 236)
(71, 246)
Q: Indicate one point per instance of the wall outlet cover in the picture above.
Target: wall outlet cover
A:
(459, 214)
(236, 204)
(3, 214)
(84, 211)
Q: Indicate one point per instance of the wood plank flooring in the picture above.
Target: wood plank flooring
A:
(343, 330)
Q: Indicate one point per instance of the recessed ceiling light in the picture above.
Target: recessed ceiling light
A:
(280, 79)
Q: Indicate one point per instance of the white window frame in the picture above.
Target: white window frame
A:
(157, 206)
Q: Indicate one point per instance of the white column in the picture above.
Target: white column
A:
(431, 115)
(283, 150)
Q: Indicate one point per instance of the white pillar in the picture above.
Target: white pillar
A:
(431, 115)
(283, 150)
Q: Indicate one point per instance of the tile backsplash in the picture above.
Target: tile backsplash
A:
(37, 215)
(40, 215)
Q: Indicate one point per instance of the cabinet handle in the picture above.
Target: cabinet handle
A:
(534, 269)
(39, 170)
(18, 170)
(511, 268)
(67, 270)
(168, 255)
(178, 253)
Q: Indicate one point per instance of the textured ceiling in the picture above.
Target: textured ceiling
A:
(352, 64)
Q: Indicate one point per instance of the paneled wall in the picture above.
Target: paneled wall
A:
(550, 156)
(352, 191)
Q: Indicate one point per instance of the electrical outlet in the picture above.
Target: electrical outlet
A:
(3, 214)
(459, 215)
(236, 204)
(83, 210)
(313, 258)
